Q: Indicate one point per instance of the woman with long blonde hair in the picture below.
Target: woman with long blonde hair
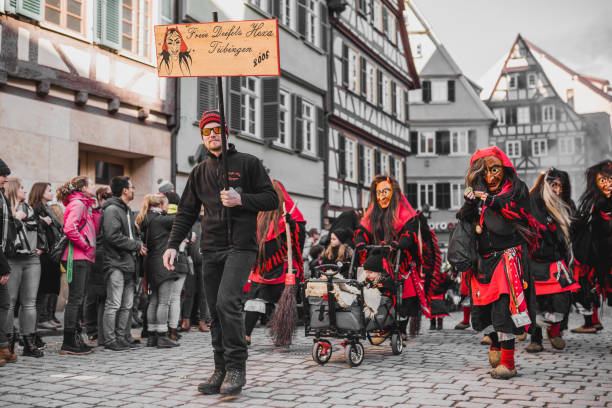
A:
(549, 261)
(155, 225)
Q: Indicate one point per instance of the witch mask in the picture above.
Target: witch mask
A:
(493, 173)
(384, 192)
(604, 183)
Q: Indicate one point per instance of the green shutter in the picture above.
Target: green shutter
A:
(110, 20)
(30, 8)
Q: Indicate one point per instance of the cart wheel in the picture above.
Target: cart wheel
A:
(321, 351)
(354, 354)
(397, 344)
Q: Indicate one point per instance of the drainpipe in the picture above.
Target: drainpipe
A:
(178, 9)
(329, 110)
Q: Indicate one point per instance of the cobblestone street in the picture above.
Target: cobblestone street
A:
(447, 368)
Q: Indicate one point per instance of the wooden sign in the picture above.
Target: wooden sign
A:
(229, 48)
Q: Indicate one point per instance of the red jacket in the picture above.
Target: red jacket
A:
(78, 211)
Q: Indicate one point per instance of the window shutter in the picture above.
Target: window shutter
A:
(301, 17)
(472, 142)
(376, 162)
(442, 142)
(98, 15)
(394, 98)
(341, 156)
(321, 134)
(275, 8)
(451, 90)
(526, 148)
(345, 65)
(551, 144)
(521, 81)
(110, 17)
(29, 8)
(380, 88)
(406, 107)
(385, 18)
(443, 196)
(270, 108)
(414, 142)
(362, 67)
(207, 95)
(324, 25)
(298, 130)
(426, 91)
(234, 104)
(361, 165)
(392, 166)
(412, 194)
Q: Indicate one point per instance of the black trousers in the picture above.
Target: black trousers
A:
(94, 305)
(225, 274)
(76, 293)
(5, 303)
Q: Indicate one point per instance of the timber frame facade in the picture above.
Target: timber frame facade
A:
(371, 73)
(535, 127)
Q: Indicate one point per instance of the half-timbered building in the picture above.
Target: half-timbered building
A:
(371, 73)
(536, 127)
(79, 92)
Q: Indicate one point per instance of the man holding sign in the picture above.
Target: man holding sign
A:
(226, 260)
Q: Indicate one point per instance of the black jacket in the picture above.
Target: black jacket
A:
(247, 176)
(119, 249)
(155, 231)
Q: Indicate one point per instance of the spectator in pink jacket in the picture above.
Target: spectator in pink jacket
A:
(81, 224)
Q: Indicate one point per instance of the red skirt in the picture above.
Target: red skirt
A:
(552, 284)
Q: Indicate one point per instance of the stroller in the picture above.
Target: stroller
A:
(334, 308)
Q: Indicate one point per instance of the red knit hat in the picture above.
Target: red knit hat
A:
(211, 116)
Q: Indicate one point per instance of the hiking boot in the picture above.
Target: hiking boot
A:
(557, 341)
(7, 356)
(185, 326)
(173, 334)
(598, 326)
(432, 324)
(234, 380)
(440, 323)
(213, 384)
(203, 326)
(502, 372)
(462, 326)
(585, 330)
(494, 357)
(152, 340)
(131, 342)
(29, 347)
(71, 344)
(115, 345)
(486, 340)
(163, 341)
(534, 347)
(81, 343)
(521, 337)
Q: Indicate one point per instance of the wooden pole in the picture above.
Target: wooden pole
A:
(225, 180)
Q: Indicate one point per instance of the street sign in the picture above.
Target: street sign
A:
(230, 48)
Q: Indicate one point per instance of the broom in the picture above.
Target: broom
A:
(285, 315)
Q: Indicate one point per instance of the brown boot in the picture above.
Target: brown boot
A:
(203, 326)
(379, 338)
(583, 330)
(173, 334)
(7, 356)
(494, 356)
(486, 340)
(521, 337)
(503, 373)
(534, 347)
(185, 325)
(557, 341)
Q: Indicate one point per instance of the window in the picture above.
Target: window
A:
(391, 27)
(353, 78)
(398, 170)
(249, 106)
(457, 195)
(522, 115)
(349, 158)
(66, 14)
(368, 166)
(386, 102)
(284, 121)
(439, 91)
(377, 15)
(136, 26)
(384, 164)
(261, 4)
(500, 115)
(286, 12)
(531, 80)
(539, 147)
(371, 83)
(569, 96)
(106, 171)
(427, 143)
(566, 146)
(459, 142)
(399, 103)
(361, 6)
(548, 113)
(167, 11)
(311, 19)
(512, 81)
(426, 195)
(513, 149)
(443, 196)
(308, 123)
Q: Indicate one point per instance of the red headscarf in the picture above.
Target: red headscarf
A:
(183, 44)
(495, 152)
(291, 208)
(403, 214)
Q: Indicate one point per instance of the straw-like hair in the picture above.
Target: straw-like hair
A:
(150, 200)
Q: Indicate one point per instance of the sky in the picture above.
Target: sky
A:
(477, 33)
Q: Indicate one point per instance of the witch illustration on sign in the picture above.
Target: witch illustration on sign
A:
(175, 54)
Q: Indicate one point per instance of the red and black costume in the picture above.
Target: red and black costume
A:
(267, 279)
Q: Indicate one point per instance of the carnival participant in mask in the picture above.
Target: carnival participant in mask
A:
(592, 240)
(497, 208)
(549, 261)
(391, 220)
(267, 280)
